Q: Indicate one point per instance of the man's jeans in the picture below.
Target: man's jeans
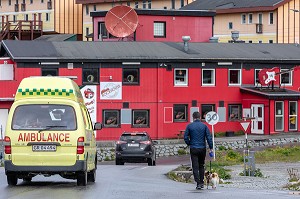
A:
(198, 160)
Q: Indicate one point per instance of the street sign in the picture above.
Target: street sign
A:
(212, 118)
(245, 125)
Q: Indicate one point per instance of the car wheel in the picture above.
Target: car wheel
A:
(119, 162)
(12, 179)
(91, 176)
(82, 178)
(27, 179)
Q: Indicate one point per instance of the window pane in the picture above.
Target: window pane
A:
(130, 76)
(234, 76)
(180, 76)
(235, 112)
(49, 72)
(111, 118)
(90, 75)
(205, 108)
(279, 123)
(286, 78)
(208, 77)
(180, 112)
(140, 118)
(159, 29)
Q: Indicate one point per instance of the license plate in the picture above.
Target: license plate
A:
(134, 145)
(43, 147)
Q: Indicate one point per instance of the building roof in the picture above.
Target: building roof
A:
(229, 6)
(276, 93)
(56, 37)
(79, 51)
(163, 12)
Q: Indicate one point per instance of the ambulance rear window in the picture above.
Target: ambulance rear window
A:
(41, 116)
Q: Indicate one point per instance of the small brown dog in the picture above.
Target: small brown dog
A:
(212, 178)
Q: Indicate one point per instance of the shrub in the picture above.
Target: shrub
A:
(181, 152)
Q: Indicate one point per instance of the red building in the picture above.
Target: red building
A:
(156, 86)
(161, 25)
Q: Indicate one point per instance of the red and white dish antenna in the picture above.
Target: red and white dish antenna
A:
(121, 21)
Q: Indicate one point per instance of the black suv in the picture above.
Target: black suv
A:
(135, 148)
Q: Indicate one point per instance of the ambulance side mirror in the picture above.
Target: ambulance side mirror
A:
(98, 126)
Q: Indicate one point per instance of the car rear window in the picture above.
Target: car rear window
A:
(44, 116)
(138, 137)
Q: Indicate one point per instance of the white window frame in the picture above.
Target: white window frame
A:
(213, 77)
(243, 21)
(256, 77)
(159, 29)
(290, 78)
(250, 22)
(270, 18)
(295, 114)
(279, 115)
(180, 83)
(239, 79)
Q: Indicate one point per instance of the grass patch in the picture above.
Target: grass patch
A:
(278, 154)
(182, 152)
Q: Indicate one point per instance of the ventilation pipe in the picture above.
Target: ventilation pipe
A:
(186, 40)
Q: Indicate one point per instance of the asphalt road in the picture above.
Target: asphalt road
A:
(132, 181)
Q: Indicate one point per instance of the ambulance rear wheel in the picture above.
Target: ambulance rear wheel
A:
(12, 179)
(91, 176)
(82, 178)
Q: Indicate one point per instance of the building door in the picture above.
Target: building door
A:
(3, 119)
(257, 124)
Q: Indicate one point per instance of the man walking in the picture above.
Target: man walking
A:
(195, 136)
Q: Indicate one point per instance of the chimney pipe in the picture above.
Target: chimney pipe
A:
(186, 43)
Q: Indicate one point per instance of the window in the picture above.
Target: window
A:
(181, 3)
(293, 118)
(270, 41)
(208, 77)
(180, 112)
(87, 31)
(6, 71)
(230, 25)
(95, 7)
(131, 76)
(90, 76)
(159, 29)
(180, 77)
(173, 4)
(234, 77)
(149, 4)
(136, 4)
(102, 31)
(260, 18)
(24, 1)
(128, 3)
(47, 16)
(234, 112)
(87, 12)
(9, 2)
(144, 4)
(256, 80)
(243, 18)
(31, 1)
(26, 17)
(250, 41)
(15, 18)
(279, 116)
(286, 78)
(250, 18)
(42, 1)
(205, 108)
(49, 71)
(260, 41)
(271, 18)
(111, 118)
(140, 118)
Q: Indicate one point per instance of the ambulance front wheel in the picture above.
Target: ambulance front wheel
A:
(12, 179)
(82, 178)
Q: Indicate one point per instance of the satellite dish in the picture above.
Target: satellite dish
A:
(121, 21)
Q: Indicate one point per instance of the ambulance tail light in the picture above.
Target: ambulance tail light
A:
(80, 145)
(7, 145)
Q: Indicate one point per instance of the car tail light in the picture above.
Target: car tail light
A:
(80, 145)
(146, 142)
(7, 145)
(121, 142)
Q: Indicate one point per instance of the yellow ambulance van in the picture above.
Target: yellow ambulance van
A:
(49, 131)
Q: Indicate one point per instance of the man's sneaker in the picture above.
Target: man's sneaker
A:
(200, 186)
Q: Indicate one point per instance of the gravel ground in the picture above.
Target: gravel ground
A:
(275, 176)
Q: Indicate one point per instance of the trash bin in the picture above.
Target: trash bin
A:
(229, 133)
